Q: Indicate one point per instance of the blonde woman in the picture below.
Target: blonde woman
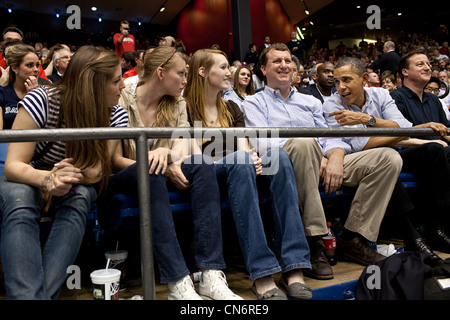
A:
(66, 171)
(237, 168)
(156, 102)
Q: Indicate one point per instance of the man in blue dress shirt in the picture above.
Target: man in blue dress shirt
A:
(331, 160)
(357, 106)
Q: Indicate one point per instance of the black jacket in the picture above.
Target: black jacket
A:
(312, 90)
(388, 61)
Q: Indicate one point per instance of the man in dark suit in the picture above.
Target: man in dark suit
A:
(265, 44)
(296, 46)
(323, 86)
(251, 57)
(388, 61)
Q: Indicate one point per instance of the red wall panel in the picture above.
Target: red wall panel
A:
(205, 22)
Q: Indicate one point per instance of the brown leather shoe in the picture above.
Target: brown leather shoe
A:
(320, 268)
(356, 250)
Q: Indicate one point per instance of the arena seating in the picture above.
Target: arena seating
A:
(121, 213)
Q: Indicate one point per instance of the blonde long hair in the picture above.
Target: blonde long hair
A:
(83, 105)
(194, 93)
(164, 57)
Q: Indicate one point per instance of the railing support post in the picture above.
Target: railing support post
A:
(143, 179)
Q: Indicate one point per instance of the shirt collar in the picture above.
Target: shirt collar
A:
(368, 100)
(276, 93)
(409, 92)
(412, 95)
(368, 97)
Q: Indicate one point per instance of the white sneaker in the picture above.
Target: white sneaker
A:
(183, 290)
(213, 286)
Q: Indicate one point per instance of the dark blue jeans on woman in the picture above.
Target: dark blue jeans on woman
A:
(32, 273)
(238, 173)
(205, 200)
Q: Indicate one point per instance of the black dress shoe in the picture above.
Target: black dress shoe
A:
(441, 241)
(420, 245)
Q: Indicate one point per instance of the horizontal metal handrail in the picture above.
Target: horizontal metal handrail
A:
(168, 132)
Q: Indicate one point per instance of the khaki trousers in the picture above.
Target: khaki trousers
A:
(374, 172)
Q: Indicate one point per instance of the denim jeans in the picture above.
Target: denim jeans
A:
(31, 272)
(205, 200)
(238, 173)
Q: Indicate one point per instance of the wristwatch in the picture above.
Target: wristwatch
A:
(371, 121)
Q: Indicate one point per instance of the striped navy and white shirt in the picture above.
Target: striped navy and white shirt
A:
(43, 106)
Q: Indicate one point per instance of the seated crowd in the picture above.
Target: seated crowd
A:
(163, 87)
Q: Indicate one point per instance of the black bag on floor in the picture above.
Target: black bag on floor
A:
(403, 276)
(432, 289)
(398, 277)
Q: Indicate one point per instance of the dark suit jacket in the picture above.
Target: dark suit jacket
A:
(312, 90)
(388, 61)
(299, 53)
(260, 49)
(54, 77)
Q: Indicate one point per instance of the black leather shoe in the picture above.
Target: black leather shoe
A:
(320, 267)
(420, 245)
(357, 250)
(441, 241)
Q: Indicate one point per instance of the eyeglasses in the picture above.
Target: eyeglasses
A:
(432, 90)
(170, 57)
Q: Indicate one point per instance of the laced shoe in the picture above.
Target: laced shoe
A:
(213, 286)
(420, 245)
(183, 290)
(440, 241)
(357, 250)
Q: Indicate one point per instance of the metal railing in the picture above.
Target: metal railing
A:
(140, 135)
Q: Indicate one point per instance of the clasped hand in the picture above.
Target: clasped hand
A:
(158, 161)
(256, 161)
(62, 177)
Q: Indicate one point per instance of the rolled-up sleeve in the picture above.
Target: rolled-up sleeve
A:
(389, 110)
(348, 145)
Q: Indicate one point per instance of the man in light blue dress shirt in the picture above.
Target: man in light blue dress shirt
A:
(331, 160)
(357, 106)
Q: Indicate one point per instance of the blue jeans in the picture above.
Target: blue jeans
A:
(31, 272)
(238, 173)
(205, 200)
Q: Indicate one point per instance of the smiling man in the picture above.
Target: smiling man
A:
(279, 105)
(357, 106)
(417, 106)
